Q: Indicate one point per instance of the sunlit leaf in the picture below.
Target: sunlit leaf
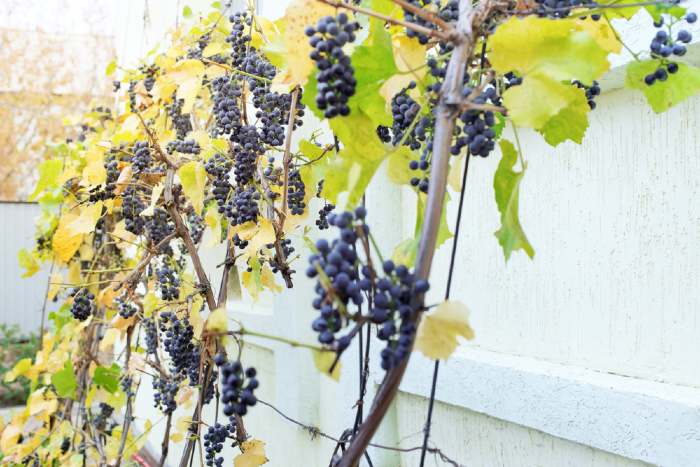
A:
(252, 454)
(64, 381)
(28, 263)
(193, 177)
(438, 331)
(107, 377)
(217, 322)
(662, 95)
(323, 360)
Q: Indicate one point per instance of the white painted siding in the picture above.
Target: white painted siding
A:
(22, 298)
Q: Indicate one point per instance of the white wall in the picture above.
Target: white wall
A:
(22, 299)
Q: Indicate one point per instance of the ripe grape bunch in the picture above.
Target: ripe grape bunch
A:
(336, 76)
(237, 386)
(342, 279)
(169, 283)
(214, 440)
(142, 156)
(664, 46)
(83, 304)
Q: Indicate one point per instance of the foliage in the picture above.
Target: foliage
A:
(14, 347)
(198, 152)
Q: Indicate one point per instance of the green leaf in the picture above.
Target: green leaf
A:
(556, 48)
(107, 378)
(538, 99)
(373, 62)
(49, 172)
(570, 123)
(193, 177)
(111, 68)
(662, 95)
(64, 381)
(506, 184)
(28, 263)
(657, 9)
(186, 11)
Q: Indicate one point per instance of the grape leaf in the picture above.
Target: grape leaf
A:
(107, 378)
(49, 173)
(65, 242)
(20, 369)
(193, 177)
(556, 48)
(252, 454)
(64, 381)
(662, 95)
(506, 184)
(538, 99)
(323, 361)
(27, 262)
(373, 62)
(437, 332)
(289, 48)
(570, 123)
(85, 222)
(397, 165)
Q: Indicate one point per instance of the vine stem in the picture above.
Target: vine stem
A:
(446, 112)
(408, 25)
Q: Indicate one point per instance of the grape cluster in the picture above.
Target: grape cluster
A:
(322, 221)
(420, 182)
(664, 46)
(237, 386)
(336, 266)
(403, 111)
(101, 420)
(562, 8)
(151, 336)
(169, 283)
(238, 38)
(196, 226)
(159, 226)
(164, 392)
(384, 134)
(247, 148)
(280, 264)
(273, 113)
(181, 122)
(336, 77)
(592, 92)
(296, 191)
(131, 210)
(239, 243)
(111, 166)
(219, 167)
(141, 158)
(214, 440)
(225, 96)
(125, 307)
(342, 281)
(83, 304)
(394, 310)
(243, 205)
(188, 146)
(478, 124)
(178, 344)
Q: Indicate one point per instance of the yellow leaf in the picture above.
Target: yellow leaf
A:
(28, 263)
(252, 454)
(94, 172)
(324, 360)
(187, 75)
(193, 177)
(214, 48)
(289, 50)
(217, 321)
(177, 437)
(454, 180)
(65, 242)
(268, 279)
(54, 285)
(20, 369)
(438, 331)
(196, 319)
(124, 179)
(155, 195)
(164, 88)
(150, 302)
(122, 236)
(109, 339)
(87, 219)
(602, 32)
(213, 220)
(74, 273)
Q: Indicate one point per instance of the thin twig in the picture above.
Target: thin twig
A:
(408, 25)
(425, 14)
